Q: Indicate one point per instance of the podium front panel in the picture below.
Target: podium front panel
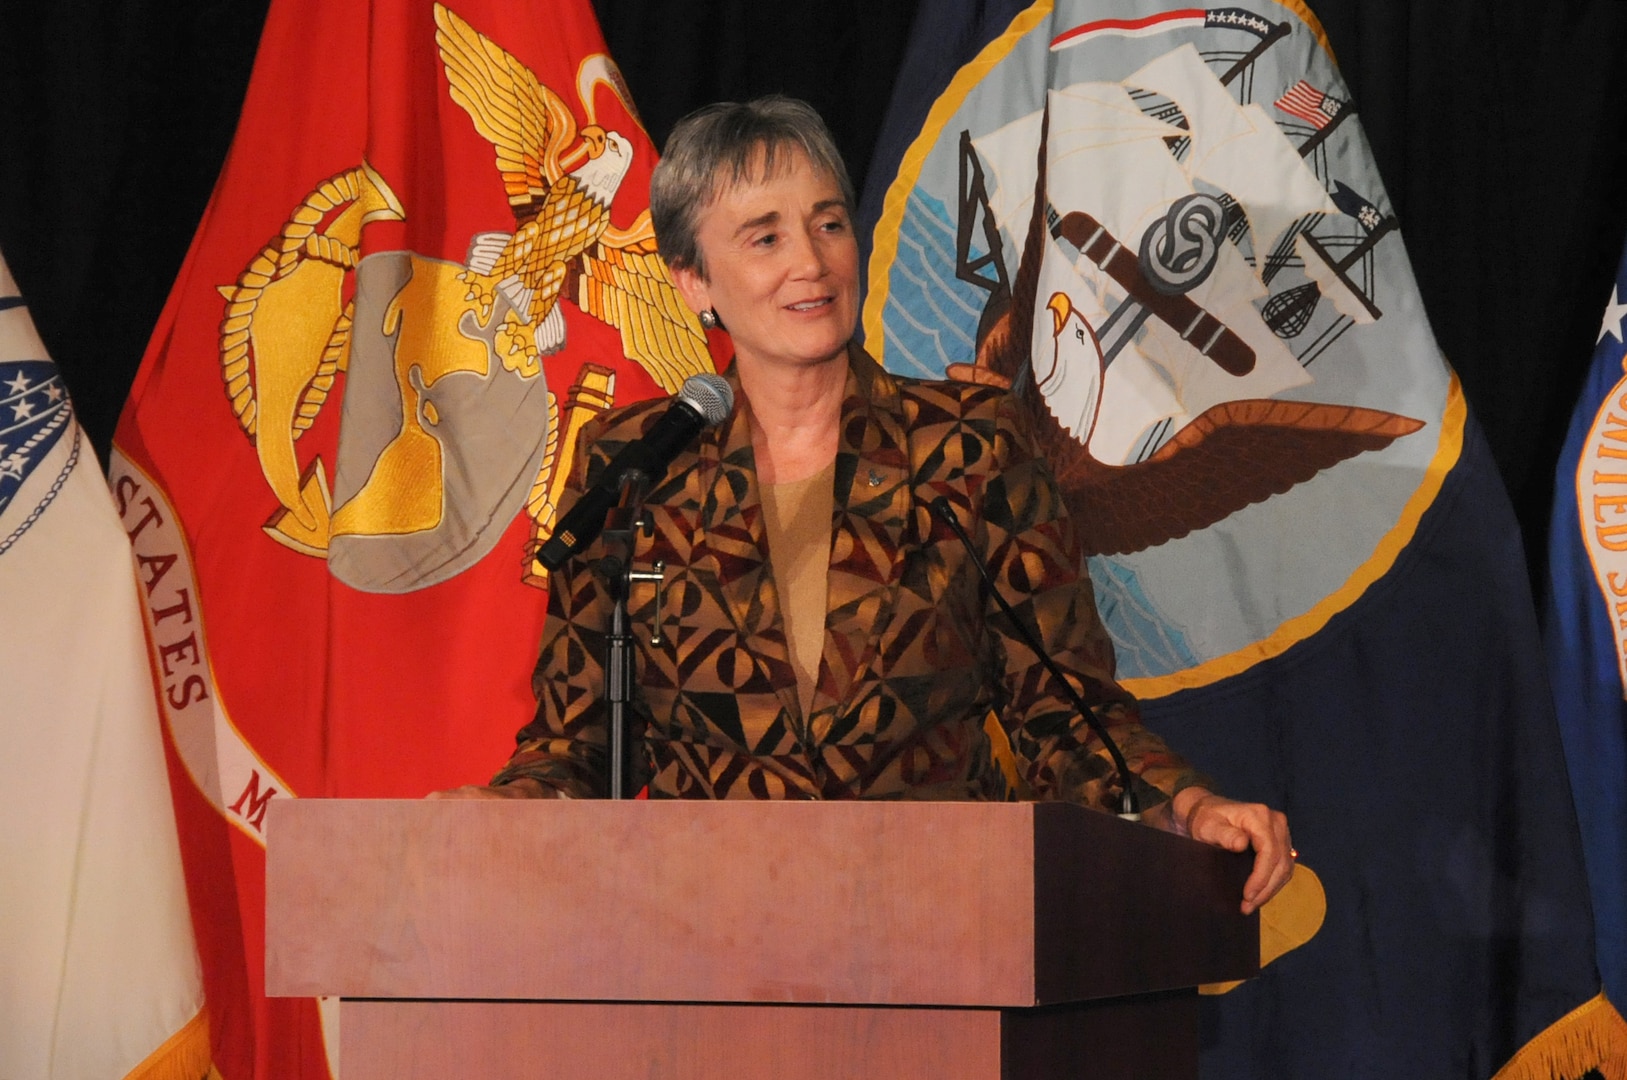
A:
(919, 903)
(859, 903)
(590, 1041)
(1152, 1038)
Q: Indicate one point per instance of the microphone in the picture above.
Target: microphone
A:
(703, 402)
(1129, 804)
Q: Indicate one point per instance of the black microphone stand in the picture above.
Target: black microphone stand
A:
(616, 570)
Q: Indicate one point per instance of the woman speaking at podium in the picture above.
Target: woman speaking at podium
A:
(822, 632)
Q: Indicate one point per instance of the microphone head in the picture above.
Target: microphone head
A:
(710, 395)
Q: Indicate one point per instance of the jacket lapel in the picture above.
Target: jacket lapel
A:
(869, 526)
(732, 539)
(872, 509)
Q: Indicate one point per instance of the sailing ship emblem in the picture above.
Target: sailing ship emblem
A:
(1149, 202)
(1165, 256)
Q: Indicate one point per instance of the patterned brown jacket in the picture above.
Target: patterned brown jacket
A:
(916, 659)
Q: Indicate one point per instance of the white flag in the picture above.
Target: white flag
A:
(99, 974)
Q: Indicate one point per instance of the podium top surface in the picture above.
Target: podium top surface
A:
(969, 904)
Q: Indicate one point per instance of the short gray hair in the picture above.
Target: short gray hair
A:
(720, 146)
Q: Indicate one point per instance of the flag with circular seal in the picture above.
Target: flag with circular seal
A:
(1197, 290)
(426, 264)
(1163, 230)
(98, 968)
(1585, 625)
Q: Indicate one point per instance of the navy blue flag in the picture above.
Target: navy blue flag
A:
(1585, 626)
(1164, 231)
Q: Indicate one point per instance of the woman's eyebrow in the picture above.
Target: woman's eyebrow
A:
(758, 222)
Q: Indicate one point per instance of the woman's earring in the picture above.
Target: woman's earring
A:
(709, 319)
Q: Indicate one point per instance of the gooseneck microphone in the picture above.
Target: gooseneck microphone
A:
(703, 402)
(1129, 804)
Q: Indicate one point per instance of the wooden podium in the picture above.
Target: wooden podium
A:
(792, 941)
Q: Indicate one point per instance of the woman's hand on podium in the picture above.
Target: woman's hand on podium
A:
(1238, 826)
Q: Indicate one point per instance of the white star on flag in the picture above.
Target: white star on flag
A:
(1612, 317)
(19, 385)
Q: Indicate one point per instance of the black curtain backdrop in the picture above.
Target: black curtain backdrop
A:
(1498, 127)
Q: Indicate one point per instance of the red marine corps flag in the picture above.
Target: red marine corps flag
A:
(427, 261)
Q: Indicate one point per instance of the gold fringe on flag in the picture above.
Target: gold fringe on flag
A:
(183, 1056)
(1589, 1040)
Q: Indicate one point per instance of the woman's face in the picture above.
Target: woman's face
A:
(782, 266)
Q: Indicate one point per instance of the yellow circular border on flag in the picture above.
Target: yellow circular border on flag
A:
(1292, 630)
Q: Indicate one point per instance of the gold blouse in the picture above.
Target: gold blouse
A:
(797, 516)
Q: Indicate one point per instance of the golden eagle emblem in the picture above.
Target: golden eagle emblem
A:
(560, 183)
(448, 428)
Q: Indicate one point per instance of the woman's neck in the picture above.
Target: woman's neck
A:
(795, 417)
